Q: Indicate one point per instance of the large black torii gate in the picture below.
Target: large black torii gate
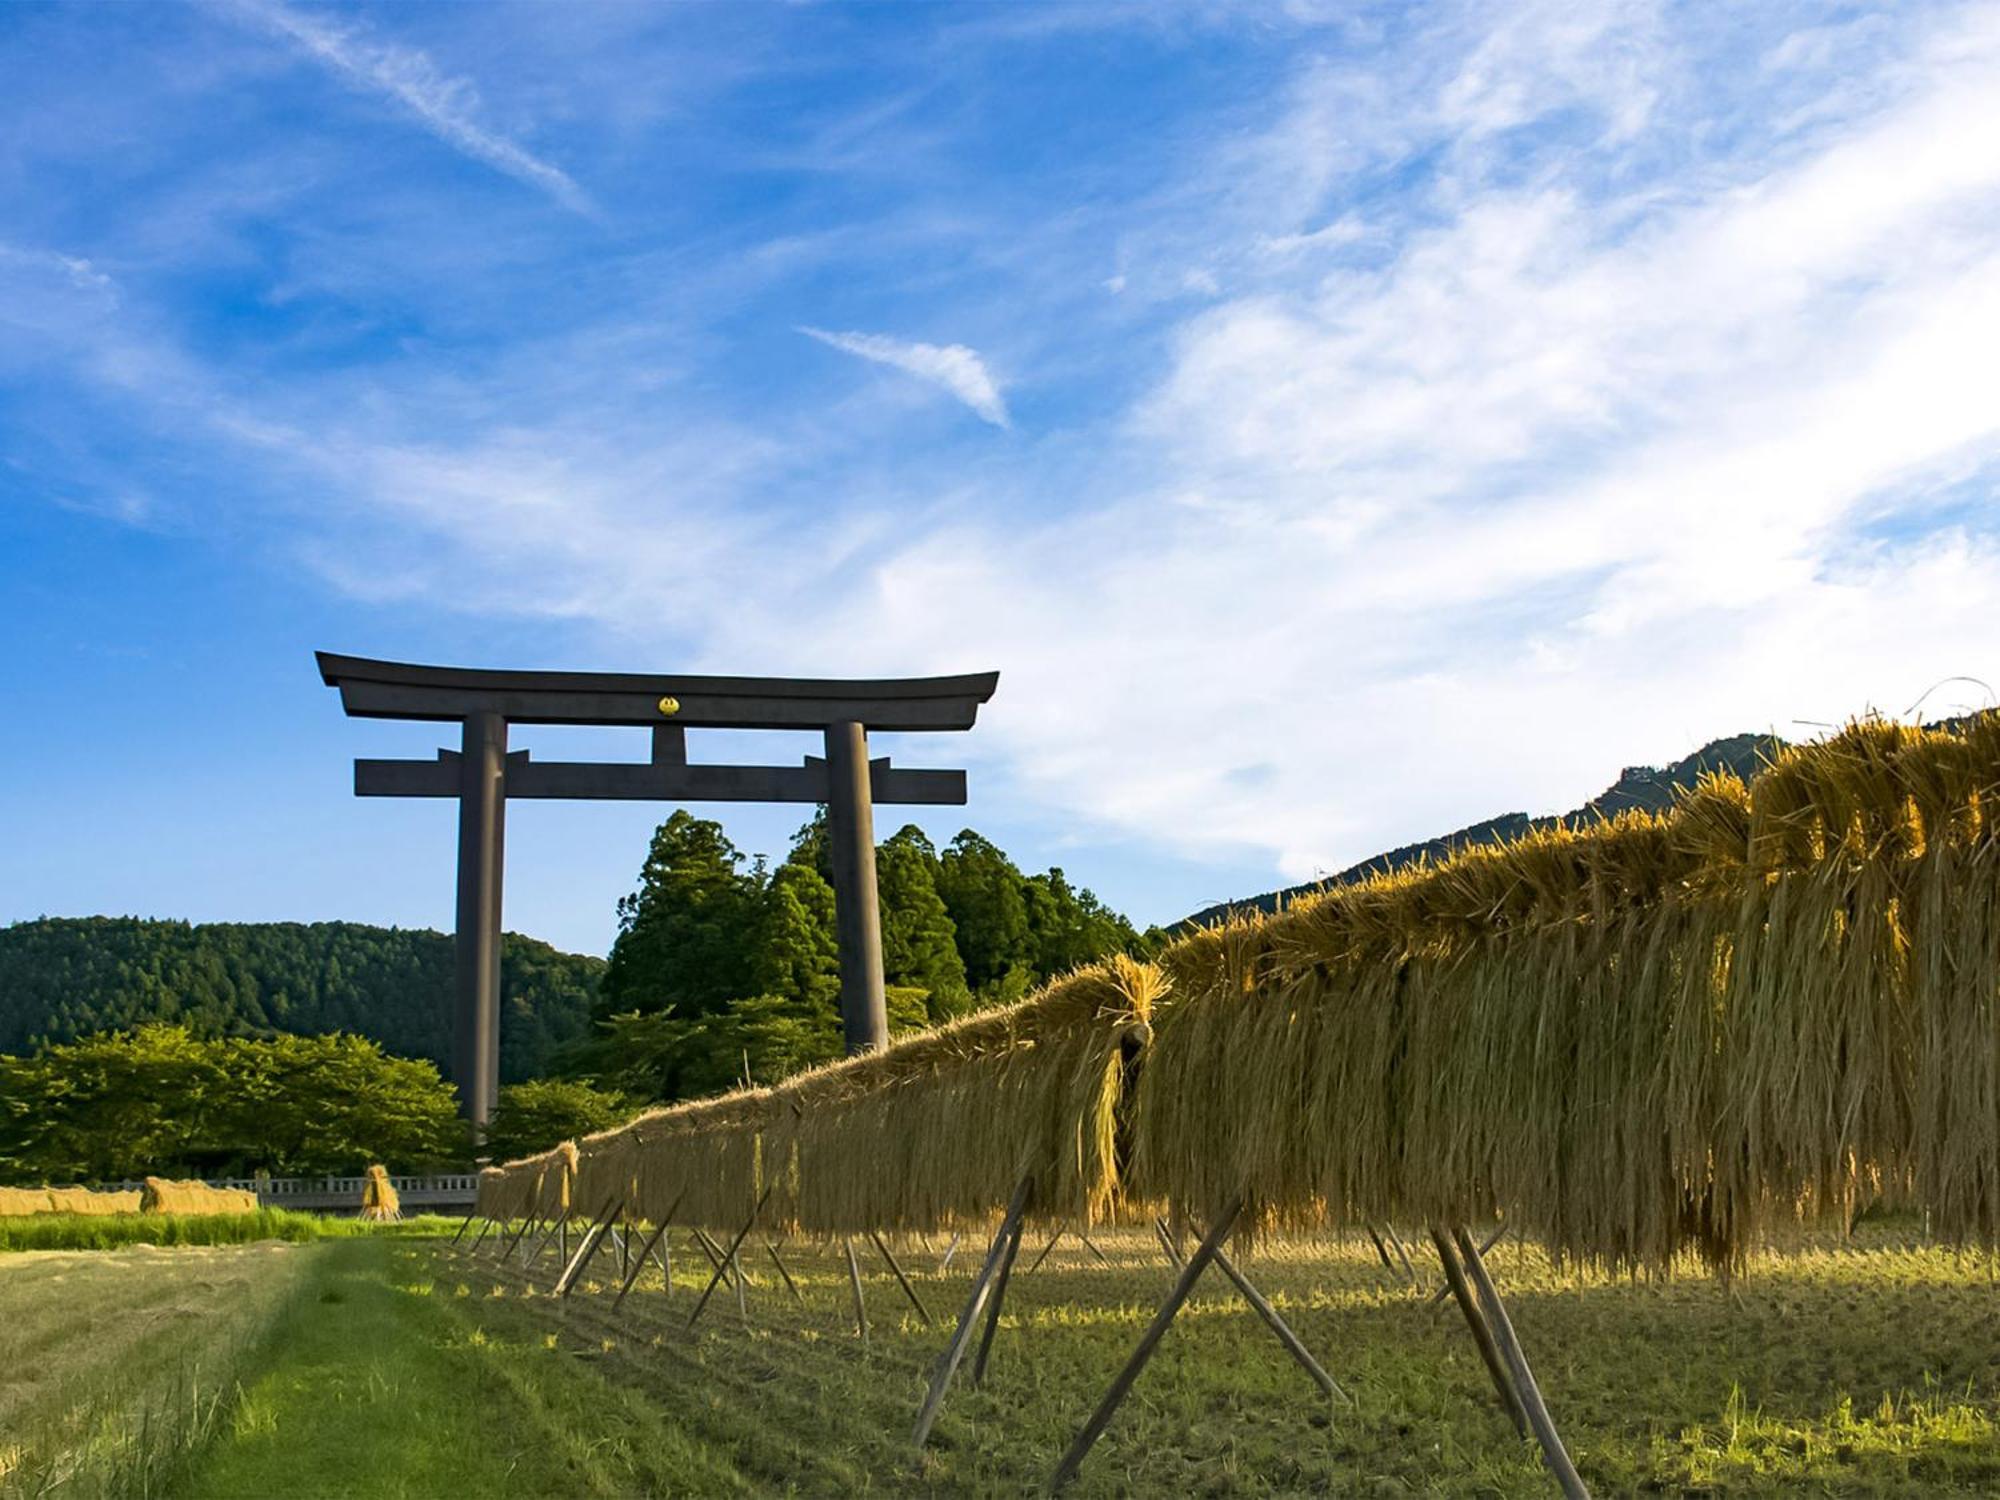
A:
(482, 775)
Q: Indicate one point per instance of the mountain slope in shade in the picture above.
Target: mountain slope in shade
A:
(1650, 788)
(65, 977)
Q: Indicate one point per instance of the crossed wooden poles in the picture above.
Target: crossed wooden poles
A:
(1467, 1282)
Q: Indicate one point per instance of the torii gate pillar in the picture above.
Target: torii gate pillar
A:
(482, 833)
(850, 826)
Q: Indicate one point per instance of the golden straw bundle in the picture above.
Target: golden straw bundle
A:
(80, 1200)
(1651, 1034)
(161, 1196)
(18, 1202)
(379, 1200)
(936, 1130)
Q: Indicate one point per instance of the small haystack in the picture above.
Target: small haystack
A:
(17, 1203)
(379, 1201)
(81, 1200)
(161, 1196)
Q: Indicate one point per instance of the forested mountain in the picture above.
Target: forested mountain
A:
(65, 977)
(1650, 788)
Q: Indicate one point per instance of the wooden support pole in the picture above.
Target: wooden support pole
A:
(1279, 1326)
(593, 1239)
(663, 1252)
(730, 1259)
(902, 1280)
(1148, 1342)
(790, 1285)
(1485, 1245)
(1553, 1452)
(561, 1227)
(484, 1230)
(1174, 1256)
(1403, 1255)
(1482, 1335)
(639, 1265)
(709, 1248)
(1091, 1245)
(854, 1279)
(1381, 1249)
(515, 1240)
(461, 1229)
(949, 1251)
(993, 1305)
(1045, 1252)
(975, 1302)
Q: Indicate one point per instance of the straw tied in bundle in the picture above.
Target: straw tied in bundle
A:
(935, 1132)
(162, 1196)
(1654, 1034)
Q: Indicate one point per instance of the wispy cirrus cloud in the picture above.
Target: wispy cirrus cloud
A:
(448, 107)
(951, 367)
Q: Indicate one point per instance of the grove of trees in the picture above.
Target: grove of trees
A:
(726, 969)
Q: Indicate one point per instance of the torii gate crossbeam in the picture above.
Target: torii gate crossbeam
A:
(482, 775)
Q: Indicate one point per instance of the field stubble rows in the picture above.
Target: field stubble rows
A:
(1857, 1367)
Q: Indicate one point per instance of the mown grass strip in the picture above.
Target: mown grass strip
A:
(112, 1231)
(376, 1385)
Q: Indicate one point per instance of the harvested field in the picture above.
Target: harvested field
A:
(1849, 1367)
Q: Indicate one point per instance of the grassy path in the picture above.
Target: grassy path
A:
(374, 1386)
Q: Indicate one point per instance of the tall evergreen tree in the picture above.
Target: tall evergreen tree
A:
(681, 941)
(919, 943)
(987, 899)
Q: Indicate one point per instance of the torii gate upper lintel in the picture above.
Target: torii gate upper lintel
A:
(482, 775)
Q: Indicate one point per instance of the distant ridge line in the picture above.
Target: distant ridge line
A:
(1649, 788)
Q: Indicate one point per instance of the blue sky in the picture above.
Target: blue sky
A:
(1336, 422)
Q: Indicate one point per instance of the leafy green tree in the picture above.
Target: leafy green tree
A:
(682, 936)
(532, 1117)
(1068, 928)
(160, 1100)
(919, 942)
(987, 899)
(797, 951)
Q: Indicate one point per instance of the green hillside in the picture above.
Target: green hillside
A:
(65, 977)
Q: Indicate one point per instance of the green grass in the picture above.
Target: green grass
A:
(118, 1365)
(375, 1385)
(110, 1231)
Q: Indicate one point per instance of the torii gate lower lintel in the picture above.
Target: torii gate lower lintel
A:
(482, 775)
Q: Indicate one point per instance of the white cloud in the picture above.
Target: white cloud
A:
(953, 367)
(448, 107)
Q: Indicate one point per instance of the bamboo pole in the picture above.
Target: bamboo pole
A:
(588, 1246)
(730, 1259)
(999, 1297)
(790, 1285)
(1045, 1252)
(1174, 1256)
(982, 1286)
(639, 1264)
(561, 1226)
(902, 1280)
(462, 1228)
(1091, 1245)
(484, 1230)
(1148, 1342)
(1485, 1246)
(1482, 1335)
(1278, 1326)
(854, 1279)
(950, 1250)
(1553, 1451)
(1409, 1267)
